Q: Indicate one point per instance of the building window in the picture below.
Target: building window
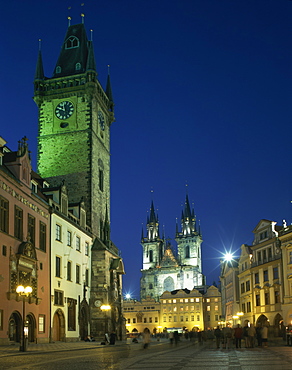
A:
(258, 300)
(31, 228)
(198, 317)
(77, 66)
(71, 314)
(243, 307)
(263, 235)
(174, 309)
(77, 243)
(1, 319)
(181, 318)
(277, 296)
(69, 238)
(269, 254)
(151, 255)
(43, 236)
(77, 274)
(266, 275)
(174, 318)
(100, 177)
(86, 248)
(256, 278)
(87, 277)
(58, 232)
(72, 42)
(58, 266)
(247, 285)
(216, 317)
(290, 257)
(192, 317)
(248, 307)
(265, 255)
(41, 324)
(4, 250)
(134, 321)
(58, 298)
(216, 308)
(259, 257)
(150, 286)
(58, 69)
(242, 290)
(208, 308)
(187, 252)
(18, 222)
(69, 266)
(267, 298)
(275, 273)
(129, 321)
(197, 299)
(4, 214)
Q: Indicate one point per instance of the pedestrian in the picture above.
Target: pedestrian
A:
(245, 335)
(218, 336)
(175, 337)
(112, 338)
(264, 334)
(146, 338)
(170, 336)
(227, 335)
(259, 335)
(251, 335)
(238, 332)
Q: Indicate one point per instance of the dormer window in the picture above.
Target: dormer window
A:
(72, 42)
(58, 69)
(263, 235)
(34, 186)
(77, 66)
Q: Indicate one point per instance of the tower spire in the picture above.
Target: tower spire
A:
(39, 72)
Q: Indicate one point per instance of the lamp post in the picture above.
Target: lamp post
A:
(105, 308)
(24, 292)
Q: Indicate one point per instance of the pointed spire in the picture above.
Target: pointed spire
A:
(142, 234)
(108, 89)
(39, 72)
(90, 65)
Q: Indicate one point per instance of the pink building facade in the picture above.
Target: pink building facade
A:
(24, 249)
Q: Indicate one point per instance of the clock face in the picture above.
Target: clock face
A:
(97, 303)
(101, 119)
(64, 110)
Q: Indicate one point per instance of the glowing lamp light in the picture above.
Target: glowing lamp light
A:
(228, 257)
(105, 307)
(128, 296)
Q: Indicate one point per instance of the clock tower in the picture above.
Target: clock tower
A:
(75, 116)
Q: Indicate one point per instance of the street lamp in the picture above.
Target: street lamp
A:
(24, 292)
(105, 308)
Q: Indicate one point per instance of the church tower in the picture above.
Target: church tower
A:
(152, 244)
(189, 241)
(75, 116)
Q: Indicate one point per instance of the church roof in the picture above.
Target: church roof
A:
(76, 54)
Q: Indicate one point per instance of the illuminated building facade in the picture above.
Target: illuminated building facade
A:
(180, 309)
(25, 248)
(71, 242)
(163, 270)
(261, 278)
(75, 116)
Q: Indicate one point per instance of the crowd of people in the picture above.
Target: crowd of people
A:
(247, 336)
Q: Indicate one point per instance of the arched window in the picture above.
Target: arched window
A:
(58, 69)
(168, 284)
(151, 255)
(187, 252)
(100, 174)
(77, 66)
(71, 42)
(150, 286)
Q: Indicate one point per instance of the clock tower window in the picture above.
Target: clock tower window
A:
(77, 66)
(72, 42)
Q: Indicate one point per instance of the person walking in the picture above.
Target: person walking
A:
(251, 335)
(238, 333)
(227, 335)
(146, 338)
(264, 334)
(218, 336)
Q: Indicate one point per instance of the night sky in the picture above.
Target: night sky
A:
(202, 97)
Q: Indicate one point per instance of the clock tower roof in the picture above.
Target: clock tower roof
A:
(76, 54)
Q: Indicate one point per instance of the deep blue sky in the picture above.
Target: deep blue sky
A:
(202, 96)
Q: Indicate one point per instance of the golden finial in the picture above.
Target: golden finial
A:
(91, 35)
(40, 44)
